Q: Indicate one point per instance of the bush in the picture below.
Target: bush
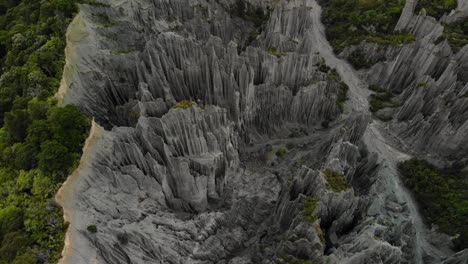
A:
(342, 96)
(358, 59)
(280, 152)
(92, 229)
(183, 104)
(275, 52)
(310, 203)
(380, 101)
(335, 181)
(441, 194)
(421, 84)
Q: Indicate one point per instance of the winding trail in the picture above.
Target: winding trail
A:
(388, 156)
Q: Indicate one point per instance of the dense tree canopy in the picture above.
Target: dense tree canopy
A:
(40, 142)
(348, 22)
(442, 195)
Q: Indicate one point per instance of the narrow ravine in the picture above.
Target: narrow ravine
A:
(389, 156)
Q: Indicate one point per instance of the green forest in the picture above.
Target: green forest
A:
(349, 22)
(442, 195)
(40, 142)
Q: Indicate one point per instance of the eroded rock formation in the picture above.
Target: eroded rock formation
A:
(227, 179)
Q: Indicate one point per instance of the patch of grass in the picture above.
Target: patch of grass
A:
(183, 104)
(280, 152)
(335, 181)
(422, 84)
(92, 229)
(442, 195)
(310, 203)
(275, 52)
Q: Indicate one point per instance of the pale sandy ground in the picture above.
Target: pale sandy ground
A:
(65, 195)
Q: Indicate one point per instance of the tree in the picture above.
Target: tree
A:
(38, 109)
(13, 243)
(41, 185)
(69, 126)
(11, 219)
(28, 257)
(25, 179)
(54, 158)
(16, 124)
(25, 156)
(38, 132)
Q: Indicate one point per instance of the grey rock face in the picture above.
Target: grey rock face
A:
(430, 80)
(226, 179)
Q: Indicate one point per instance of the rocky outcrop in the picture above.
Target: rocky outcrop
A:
(428, 76)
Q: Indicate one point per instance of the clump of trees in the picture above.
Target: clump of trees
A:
(335, 180)
(436, 8)
(442, 195)
(349, 22)
(456, 33)
(40, 142)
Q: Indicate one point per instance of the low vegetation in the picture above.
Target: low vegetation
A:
(275, 52)
(359, 60)
(456, 33)
(280, 152)
(40, 142)
(436, 8)
(310, 203)
(349, 22)
(442, 195)
(342, 96)
(183, 104)
(335, 181)
(333, 75)
(422, 84)
(92, 229)
(381, 100)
